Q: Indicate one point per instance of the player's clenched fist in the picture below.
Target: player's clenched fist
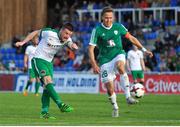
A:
(74, 46)
(19, 44)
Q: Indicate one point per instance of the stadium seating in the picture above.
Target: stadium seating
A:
(9, 54)
(150, 36)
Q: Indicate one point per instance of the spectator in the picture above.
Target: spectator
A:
(167, 35)
(85, 64)
(85, 5)
(158, 45)
(162, 64)
(2, 68)
(12, 66)
(178, 64)
(78, 60)
(130, 25)
(171, 65)
(143, 4)
(71, 54)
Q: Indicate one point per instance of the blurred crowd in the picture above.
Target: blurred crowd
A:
(60, 11)
(163, 38)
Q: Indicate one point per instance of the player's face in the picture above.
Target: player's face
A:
(108, 18)
(65, 34)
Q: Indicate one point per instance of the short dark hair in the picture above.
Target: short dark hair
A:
(107, 9)
(68, 26)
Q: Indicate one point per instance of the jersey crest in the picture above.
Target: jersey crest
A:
(103, 34)
(115, 32)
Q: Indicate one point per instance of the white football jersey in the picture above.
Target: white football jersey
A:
(30, 51)
(49, 44)
(134, 58)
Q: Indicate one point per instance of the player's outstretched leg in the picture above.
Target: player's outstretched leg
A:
(125, 84)
(65, 108)
(56, 98)
(115, 111)
(45, 100)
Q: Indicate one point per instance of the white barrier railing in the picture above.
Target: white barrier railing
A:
(139, 11)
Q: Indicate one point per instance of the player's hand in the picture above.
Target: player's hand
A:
(96, 69)
(19, 44)
(74, 46)
(149, 53)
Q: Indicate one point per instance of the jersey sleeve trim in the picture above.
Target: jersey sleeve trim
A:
(123, 30)
(93, 36)
(92, 44)
(127, 35)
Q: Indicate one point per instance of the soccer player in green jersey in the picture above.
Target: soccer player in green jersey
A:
(111, 58)
(29, 53)
(50, 42)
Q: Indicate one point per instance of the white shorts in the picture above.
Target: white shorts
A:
(109, 70)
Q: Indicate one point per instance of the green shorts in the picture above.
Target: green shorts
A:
(42, 67)
(137, 74)
(31, 73)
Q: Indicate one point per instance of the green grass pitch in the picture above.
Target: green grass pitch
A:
(90, 110)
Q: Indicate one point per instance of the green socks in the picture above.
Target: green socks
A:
(45, 99)
(27, 85)
(37, 85)
(53, 94)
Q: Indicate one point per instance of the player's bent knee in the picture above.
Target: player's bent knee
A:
(47, 80)
(121, 67)
(110, 88)
(121, 70)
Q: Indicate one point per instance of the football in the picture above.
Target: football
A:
(137, 90)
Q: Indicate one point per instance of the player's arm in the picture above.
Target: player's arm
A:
(26, 59)
(137, 43)
(25, 62)
(95, 67)
(142, 64)
(128, 62)
(91, 48)
(28, 38)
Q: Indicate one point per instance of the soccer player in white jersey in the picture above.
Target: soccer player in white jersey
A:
(50, 42)
(135, 64)
(29, 53)
(111, 58)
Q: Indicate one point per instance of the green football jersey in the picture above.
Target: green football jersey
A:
(108, 41)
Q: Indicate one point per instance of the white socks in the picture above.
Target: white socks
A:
(124, 80)
(113, 101)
